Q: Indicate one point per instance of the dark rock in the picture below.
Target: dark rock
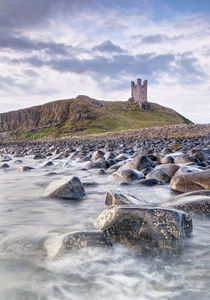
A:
(89, 184)
(69, 188)
(162, 228)
(48, 164)
(138, 163)
(201, 155)
(196, 203)
(117, 198)
(61, 244)
(97, 154)
(146, 170)
(4, 166)
(151, 182)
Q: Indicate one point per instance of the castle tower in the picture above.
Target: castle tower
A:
(138, 92)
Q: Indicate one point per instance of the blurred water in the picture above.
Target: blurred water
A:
(27, 219)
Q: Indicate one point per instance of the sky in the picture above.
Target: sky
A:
(58, 49)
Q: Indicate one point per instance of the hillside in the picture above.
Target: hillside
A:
(83, 115)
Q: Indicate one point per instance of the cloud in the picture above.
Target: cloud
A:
(27, 14)
(25, 44)
(159, 38)
(183, 67)
(108, 47)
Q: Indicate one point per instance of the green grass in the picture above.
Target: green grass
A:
(36, 134)
(116, 116)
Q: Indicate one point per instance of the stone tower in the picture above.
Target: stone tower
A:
(139, 92)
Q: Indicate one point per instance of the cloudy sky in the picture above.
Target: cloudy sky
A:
(58, 49)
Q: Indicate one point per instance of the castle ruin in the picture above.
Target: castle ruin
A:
(139, 93)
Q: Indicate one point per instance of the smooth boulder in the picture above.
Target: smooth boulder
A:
(191, 181)
(128, 174)
(69, 188)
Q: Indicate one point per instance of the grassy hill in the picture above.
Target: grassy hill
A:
(84, 115)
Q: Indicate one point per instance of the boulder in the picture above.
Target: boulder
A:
(97, 154)
(195, 205)
(128, 174)
(138, 163)
(117, 198)
(201, 155)
(67, 187)
(167, 160)
(188, 169)
(98, 164)
(63, 243)
(191, 181)
(183, 159)
(160, 227)
(123, 156)
(165, 151)
(159, 174)
(171, 169)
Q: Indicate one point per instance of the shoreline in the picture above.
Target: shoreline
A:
(171, 132)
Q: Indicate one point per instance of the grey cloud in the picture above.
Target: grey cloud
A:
(116, 66)
(19, 14)
(159, 38)
(183, 67)
(108, 47)
(24, 44)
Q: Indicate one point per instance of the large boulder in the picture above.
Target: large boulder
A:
(191, 181)
(66, 188)
(161, 228)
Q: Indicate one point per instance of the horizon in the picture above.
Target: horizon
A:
(55, 51)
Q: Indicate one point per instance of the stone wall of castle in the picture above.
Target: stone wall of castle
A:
(138, 92)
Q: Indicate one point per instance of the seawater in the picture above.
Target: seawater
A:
(27, 220)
